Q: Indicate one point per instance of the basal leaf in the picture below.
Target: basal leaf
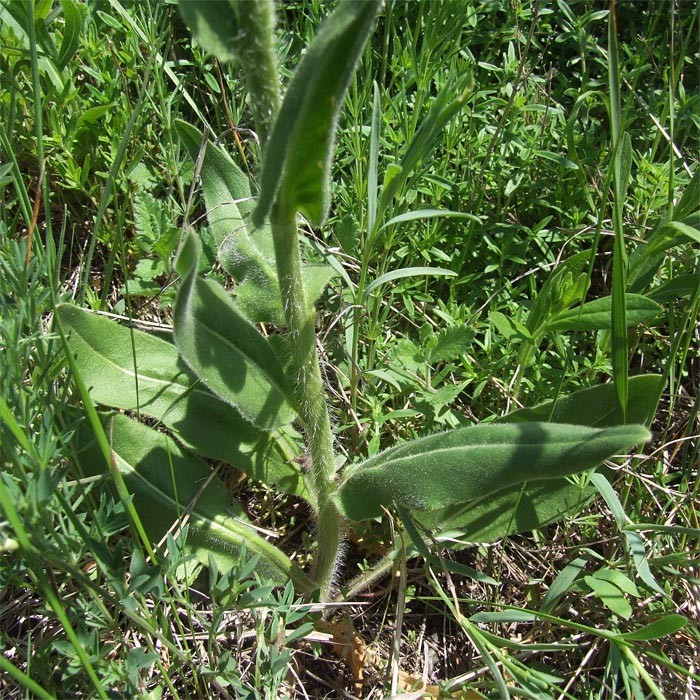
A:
(518, 508)
(296, 168)
(170, 487)
(595, 315)
(468, 463)
(136, 371)
(596, 406)
(225, 350)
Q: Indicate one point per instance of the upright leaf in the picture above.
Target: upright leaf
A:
(226, 188)
(73, 18)
(468, 463)
(225, 350)
(296, 168)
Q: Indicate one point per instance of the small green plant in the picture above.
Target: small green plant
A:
(227, 391)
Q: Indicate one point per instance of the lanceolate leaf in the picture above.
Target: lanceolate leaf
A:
(596, 406)
(406, 272)
(296, 169)
(225, 350)
(226, 188)
(136, 371)
(171, 488)
(469, 463)
(517, 508)
(595, 315)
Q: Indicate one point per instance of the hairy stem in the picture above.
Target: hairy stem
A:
(255, 46)
(308, 384)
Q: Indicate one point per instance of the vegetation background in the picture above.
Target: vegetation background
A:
(94, 186)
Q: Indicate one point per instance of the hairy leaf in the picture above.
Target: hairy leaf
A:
(596, 406)
(296, 168)
(595, 315)
(136, 371)
(225, 350)
(518, 508)
(226, 188)
(171, 488)
(468, 463)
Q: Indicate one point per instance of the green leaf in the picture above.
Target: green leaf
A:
(518, 508)
(468, 463)
(618, 579)
(452, 343)
(562, 583)
(226, 188)
(612, 597)
(596, 406)
(296, 168)
(73, 17)
(508, 327)
(668, 625)
(429, 214)
(170, 488)
(136, 371)
(250, 259)
(595, 315)
(405, 272)
(213, 24)
(554, 296)
(225, 350)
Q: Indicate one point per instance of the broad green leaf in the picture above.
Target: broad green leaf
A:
(518, 508)
(596, 406)
(226, 188)
(665, 626)
(595, 315)
(170, 487)
(562, 583)
(468, 463)
(508, 327)
(225, 350)
(676, 288)
(213, 24)
(405, 272)
(250, 260)
(618, 579)
(296, 168)
(136, 371)
(611, 596)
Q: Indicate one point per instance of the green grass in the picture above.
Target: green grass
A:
(85, 613)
